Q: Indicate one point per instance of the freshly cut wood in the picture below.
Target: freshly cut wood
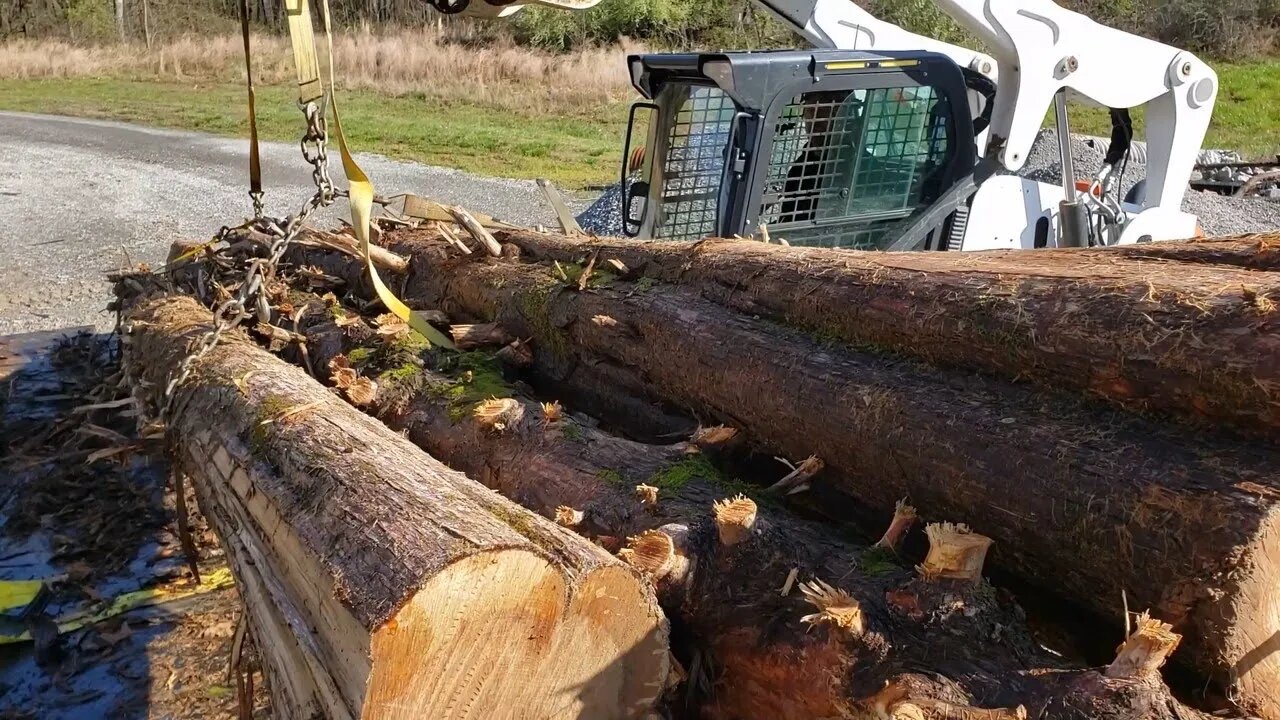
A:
(858, 618)
(1087, 503)
(409, 590)
(1188, 328)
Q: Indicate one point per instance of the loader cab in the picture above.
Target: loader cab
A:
(827, 148)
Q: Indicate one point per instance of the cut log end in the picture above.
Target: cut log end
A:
(955, 553)
(439, 654)
(1145, 650)
(734, 519)
(835, 607)
(904, 516)
(1251, 599)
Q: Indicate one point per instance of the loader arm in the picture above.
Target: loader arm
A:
(1042, 49)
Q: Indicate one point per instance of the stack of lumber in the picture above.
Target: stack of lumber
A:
(1106, 417)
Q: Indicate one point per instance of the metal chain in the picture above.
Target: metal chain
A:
(255, 196)
(250, 298)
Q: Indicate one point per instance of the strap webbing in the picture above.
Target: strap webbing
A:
(255, 162)
(310, 87)
(359, 188)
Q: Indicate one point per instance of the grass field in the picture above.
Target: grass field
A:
(503, 110)
(573, 151)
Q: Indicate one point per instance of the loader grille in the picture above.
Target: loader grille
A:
(694, 164)
(846, 165)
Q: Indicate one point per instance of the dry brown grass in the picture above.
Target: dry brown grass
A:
(420, 61)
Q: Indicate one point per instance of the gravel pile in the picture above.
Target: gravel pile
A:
(1219, 215)
(604, 215)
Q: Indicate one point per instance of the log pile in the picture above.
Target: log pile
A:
(1097, 506)
(843, 635)
(607, 386)
(378, 582)
(781, 617)
(1183, 328)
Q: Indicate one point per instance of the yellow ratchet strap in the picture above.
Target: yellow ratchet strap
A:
(303, 38)
(158, 595)
(359, 188)
(255, 162)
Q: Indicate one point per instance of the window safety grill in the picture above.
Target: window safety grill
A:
(695, 164)
(846, 165)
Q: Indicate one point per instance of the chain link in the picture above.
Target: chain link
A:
(251, 299)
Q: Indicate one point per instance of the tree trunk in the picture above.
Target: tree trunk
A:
(1186, 328)
(409, 591)
(1087, 503)
(724, 574)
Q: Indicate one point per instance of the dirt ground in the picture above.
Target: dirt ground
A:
(84, 507)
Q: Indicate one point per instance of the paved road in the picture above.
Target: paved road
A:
(81, 197)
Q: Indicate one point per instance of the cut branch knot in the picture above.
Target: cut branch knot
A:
(498, 414)
(734, 519)
(955, 553)
(648, 495)
(653, 553)
(904, 516)
(568, 517)
(798, 479)
(835, 607)
(1145, 650)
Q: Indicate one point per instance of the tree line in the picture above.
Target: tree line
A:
(1239, 28)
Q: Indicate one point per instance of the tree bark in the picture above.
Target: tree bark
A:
(409, 590)
(1087, 503)
(1184, 328)
(724, 582)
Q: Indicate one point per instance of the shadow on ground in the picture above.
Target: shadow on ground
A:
(120, 628)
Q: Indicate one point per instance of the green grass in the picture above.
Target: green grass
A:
(572, 151)
(1246, 116)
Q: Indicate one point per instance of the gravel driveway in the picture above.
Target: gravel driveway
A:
(80, 197)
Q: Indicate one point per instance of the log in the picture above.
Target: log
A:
(1256, 251)
(409, 590)
(1182, 328)
(1086, 503)
(720, 560)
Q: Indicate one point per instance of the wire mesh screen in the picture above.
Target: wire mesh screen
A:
(694, 164)
(845, 165)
